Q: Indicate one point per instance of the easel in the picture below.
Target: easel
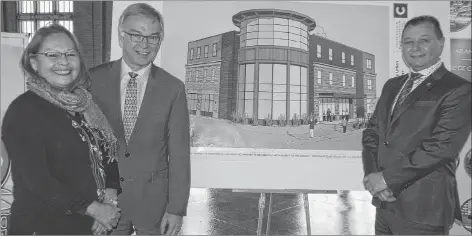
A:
(262, 201)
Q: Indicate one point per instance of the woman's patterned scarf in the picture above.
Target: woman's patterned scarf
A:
(79, 100)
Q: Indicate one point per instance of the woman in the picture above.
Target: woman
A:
(62, 149)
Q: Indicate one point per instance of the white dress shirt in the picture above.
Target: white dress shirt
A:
(141, 80)
(425, 73)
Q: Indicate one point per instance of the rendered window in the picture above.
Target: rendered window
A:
(279, 92)
(205, 51)
(274, 31)
(249, 90)
(215, 50)
(265, 91)
(190, 55)
(241, 89)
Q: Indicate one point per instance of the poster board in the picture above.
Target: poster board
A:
(13, 83)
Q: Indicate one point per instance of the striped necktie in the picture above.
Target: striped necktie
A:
(131, 106)
(406, 90)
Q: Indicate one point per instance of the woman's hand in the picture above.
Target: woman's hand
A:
(99, 229)
(107, 215)
(111, 196)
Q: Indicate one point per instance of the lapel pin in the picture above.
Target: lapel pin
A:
(428, 84)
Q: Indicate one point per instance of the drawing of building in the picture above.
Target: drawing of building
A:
(342, 78)
(275, 69)
(211, 75)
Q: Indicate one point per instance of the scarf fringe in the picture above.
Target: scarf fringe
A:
(79, 100)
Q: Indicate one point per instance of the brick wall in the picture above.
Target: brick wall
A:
(204, 85)
(337, 85)
(229, 74)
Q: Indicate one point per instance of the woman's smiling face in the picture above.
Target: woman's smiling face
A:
(57, 60)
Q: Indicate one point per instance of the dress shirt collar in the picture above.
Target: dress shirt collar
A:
(142, 74)
(430, 70)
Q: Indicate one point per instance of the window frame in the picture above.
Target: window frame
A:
(199, 52)
(55, 16)
(190, 54)
(205, 51)
(215, 50)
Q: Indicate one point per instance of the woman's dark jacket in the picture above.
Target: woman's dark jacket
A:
(51, 169)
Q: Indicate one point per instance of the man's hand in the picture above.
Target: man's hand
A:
(386, 196)
(99, 229)
(170, 224)
(374, 183)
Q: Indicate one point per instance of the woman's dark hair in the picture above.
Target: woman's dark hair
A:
(83, 78)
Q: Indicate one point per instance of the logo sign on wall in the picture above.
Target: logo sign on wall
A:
(400, 17)
(400, 10)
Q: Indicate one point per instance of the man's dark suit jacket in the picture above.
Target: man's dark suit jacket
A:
(155, 165)
(417, 148)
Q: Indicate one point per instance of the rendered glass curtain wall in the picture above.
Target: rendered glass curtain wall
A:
(246, 90)
(274, 31)
(273, 89)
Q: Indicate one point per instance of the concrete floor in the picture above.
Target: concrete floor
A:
(223, 212)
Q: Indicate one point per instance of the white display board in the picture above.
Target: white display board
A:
(285, 169)
(12, 85)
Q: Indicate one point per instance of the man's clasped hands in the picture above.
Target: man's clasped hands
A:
(376, 185)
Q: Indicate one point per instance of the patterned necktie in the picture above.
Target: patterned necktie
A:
(406, 91)
(131, 106)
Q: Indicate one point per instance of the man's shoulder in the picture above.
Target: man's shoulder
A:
(397, 78)
(102, 67)
(454, 79)
(167, 77)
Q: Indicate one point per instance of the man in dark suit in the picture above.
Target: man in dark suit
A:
(412, 141)
(147, 108)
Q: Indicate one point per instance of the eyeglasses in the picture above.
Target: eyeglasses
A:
(137, 38)
(55, 55)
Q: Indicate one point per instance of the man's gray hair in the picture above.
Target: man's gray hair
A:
(142, 9)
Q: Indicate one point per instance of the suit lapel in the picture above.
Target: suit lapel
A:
(150, 99)
(393, 91)
(115, 99)
(426, 85)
